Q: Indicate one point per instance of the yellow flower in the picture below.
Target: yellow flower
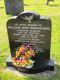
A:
(17, 54)
(28, 61)
(13, 58)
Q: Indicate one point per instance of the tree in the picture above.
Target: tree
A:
(49, 0)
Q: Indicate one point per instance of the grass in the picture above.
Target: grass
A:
(53, 11)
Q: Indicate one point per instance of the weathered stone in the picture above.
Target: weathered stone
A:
(14, 7)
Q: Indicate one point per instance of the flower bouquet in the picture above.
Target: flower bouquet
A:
(23, 56)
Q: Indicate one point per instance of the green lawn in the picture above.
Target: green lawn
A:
(53, 11)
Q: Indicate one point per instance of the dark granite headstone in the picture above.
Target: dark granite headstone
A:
(14, 7)
(30, 32)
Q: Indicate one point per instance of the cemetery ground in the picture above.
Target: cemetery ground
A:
(53, 11)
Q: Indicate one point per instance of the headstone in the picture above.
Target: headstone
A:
(30, 40)
(14, 7)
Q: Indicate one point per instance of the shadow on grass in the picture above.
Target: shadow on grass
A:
(54, 5)
(1, 7)
(26, 5)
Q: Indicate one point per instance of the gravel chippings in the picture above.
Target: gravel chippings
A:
(42, 74)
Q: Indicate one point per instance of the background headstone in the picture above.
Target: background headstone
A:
(14, 7)
(35, 30)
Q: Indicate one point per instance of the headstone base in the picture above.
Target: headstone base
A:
(49, 65)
